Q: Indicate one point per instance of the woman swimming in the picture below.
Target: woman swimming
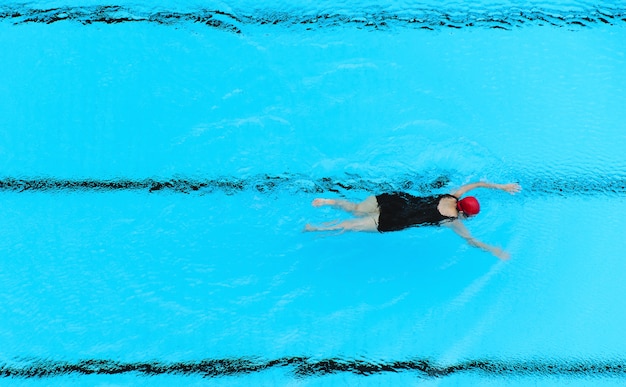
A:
(400, 210)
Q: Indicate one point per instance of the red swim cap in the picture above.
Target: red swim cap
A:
(468, 205)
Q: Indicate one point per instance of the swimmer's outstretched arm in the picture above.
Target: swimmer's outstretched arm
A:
(460, 229)
(510, 188)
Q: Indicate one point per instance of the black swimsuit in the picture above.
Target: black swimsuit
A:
(400, 210)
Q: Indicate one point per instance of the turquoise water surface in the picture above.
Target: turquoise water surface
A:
(158, 164)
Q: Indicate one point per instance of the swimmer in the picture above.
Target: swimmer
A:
(399, 210)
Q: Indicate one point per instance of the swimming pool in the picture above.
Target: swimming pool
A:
(158, 165)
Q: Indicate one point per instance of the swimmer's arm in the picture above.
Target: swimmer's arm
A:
(460, 229)
(510, 188)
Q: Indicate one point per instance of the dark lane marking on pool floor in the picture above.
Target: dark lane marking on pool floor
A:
(294, 183)
(418, 18)
(301, 367)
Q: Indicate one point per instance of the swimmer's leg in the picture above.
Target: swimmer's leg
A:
(366, 223)
(368, 206)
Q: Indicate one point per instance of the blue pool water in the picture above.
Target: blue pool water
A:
(158, 165)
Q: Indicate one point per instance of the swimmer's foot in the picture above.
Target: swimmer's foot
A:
(328, 226)
(322, 202)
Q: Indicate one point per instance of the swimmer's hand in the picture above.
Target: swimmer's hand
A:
(498, 252)
(511, 188)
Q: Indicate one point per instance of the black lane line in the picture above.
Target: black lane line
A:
(260, 183)
(301, 367)
(233, 21)
(295, 183)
